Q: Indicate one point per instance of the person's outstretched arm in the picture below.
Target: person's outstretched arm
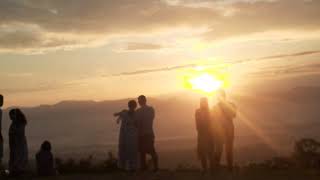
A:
(119, 114)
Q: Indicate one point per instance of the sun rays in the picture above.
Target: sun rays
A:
(205, 81)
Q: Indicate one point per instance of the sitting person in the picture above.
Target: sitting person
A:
(45, 160)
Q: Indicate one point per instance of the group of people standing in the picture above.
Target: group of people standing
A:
(18, 147)
(136, 137)
(215, 132)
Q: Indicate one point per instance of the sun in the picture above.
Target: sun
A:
(206, 83)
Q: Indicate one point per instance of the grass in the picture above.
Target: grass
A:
(243, 174)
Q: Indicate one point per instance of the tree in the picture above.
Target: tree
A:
(307, 153)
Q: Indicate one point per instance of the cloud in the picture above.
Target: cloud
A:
(19, 75)
(278, 56)
(27, 90)
(143, 46)
(263, 16)
(32, 39)
(304, 53)
(233, 62)
(283, 70)
(145, 71)
(30, 25)
(42, 87)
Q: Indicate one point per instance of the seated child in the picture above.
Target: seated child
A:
(45, 160)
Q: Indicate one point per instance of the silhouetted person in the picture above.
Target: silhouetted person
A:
(224, 112)
(145, 118)
(45, 160)
(128, 138)
(205, 137)
(1, 137)
(17, 143)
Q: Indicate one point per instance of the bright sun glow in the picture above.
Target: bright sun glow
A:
(206, 80)
(206, 83)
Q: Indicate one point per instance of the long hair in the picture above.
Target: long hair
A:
(1, 100)
(17, 116)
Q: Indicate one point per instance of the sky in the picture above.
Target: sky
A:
(55, 50)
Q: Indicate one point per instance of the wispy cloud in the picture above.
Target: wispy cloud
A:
(19, 75)
(232, 62)
(278, 56)
(145, 71)
(133, 46)
(283, 70)
(32, 25)
(291, 55)
(40, 88)
(263, 72)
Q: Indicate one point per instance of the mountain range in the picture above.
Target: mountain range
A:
(268, 123)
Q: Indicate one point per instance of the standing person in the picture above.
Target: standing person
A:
(145, 118)
(224, 112)
(45, 160)
(205, 137)
(128, 138)
(1, 137)
(17, 143)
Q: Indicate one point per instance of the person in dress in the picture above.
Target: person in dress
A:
(128, 138)
(224, 112)
(45, 160)
(205, 145)
(145, 118)
(18, 147)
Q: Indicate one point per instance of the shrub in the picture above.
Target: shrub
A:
(86, 165)
(307, 153)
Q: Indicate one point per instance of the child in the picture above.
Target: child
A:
(1, 138)
(45, 160)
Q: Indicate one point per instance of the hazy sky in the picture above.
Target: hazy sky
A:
(53, 50)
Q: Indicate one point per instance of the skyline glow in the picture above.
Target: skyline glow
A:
(57, 50)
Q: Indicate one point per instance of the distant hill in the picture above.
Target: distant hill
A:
(305, 94)
(279, 118)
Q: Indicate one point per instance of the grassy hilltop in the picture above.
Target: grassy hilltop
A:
(195, 175)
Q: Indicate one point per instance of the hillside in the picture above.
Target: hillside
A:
(267, 125)
(195, 175)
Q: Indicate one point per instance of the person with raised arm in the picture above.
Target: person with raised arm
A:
(128, 138)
